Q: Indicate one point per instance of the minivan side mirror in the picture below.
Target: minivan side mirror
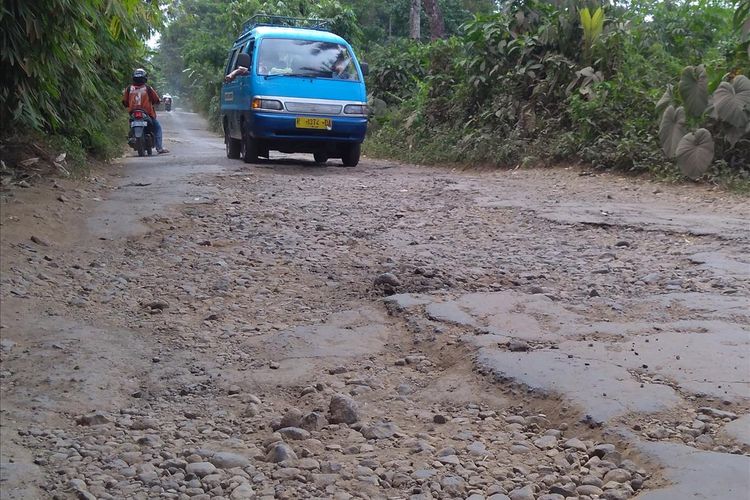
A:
(365, 68)
(244, 60)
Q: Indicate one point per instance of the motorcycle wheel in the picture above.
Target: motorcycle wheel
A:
(140, 145)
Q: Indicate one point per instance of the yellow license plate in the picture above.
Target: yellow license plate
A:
(316, 123)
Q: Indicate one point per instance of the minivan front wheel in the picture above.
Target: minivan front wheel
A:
(350, 158)
(249, 149)
(234, 146)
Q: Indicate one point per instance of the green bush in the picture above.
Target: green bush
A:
(525, 86)
(65, 63)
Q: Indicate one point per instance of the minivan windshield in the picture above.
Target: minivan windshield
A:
(309, 58)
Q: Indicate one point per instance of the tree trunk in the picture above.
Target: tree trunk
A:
(437, 25)
(414, 18)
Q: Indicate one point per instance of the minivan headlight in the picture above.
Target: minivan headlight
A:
(267, 104)
(355, 109)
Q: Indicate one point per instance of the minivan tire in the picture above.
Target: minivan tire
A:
(234, 146)
(350, 158)
(249, 149)
(320, 158)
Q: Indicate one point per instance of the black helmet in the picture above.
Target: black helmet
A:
(140, 76)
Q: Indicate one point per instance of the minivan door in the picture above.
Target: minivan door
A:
(229, 94)
(237, 93)
(245, 83)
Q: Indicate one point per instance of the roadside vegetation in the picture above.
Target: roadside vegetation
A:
(549, 82)
(521, 83)
(64, 65)
(643, 87)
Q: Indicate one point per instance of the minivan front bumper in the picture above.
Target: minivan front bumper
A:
(283, 126)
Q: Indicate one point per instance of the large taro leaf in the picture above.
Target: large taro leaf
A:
(695, 152)
(665, 100)
(694, 89)
(671, 129)
(734, 134)
(732, 101)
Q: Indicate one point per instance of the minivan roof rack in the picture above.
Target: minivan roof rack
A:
(285, 22)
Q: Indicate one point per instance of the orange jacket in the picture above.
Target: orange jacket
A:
(140, 97)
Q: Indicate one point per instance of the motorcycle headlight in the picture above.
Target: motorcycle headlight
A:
(267, 104)
(355, 109)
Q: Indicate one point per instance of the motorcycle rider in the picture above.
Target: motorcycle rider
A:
(142, 96)
(167, 102)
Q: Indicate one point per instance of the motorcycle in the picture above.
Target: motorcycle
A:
(141, 136)
(168, 104)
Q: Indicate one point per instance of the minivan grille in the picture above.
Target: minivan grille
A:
(311, 107)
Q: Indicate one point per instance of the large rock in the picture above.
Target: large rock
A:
(576, 444)
(546, 442)
(453, 485)
(343, 409)
(294, 433)
(242, 492)
(387, 280)
(379, 430)
(79, 486)
(292, 418)
(323, 480)
(477, 448)
(589, 489)
(200, 469)
(280, 452)
(313, 421)
(525, 493)
(228, 460)
(618, 475)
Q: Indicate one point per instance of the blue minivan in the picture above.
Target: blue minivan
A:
(304, 92)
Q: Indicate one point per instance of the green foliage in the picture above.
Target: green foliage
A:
(731, 102)
(384, 22)
(728, 115)
(741, 19)
(550, 81)
(689, 31)
(64, 63)
(694, 89)
(194, 45)
(672, 129)
(518, 82)
(395, 69)
(695, 152)
(592, 25)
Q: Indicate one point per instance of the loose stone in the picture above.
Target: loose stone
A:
(200, 469)
(343, 409)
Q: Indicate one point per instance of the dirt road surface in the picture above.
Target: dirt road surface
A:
(187, 326)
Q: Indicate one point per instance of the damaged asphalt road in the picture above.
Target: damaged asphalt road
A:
(192, 327)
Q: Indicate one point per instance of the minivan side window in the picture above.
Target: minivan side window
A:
(250, 49)
(232, 61)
